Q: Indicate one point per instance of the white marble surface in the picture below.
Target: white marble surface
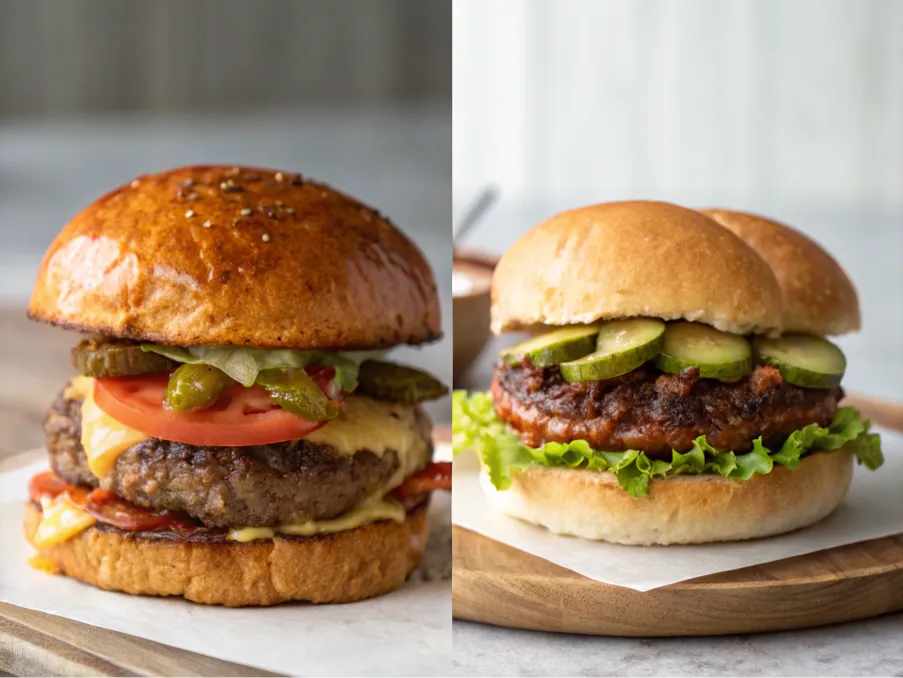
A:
(867, 648)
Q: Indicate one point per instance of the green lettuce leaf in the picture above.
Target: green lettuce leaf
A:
(475, 426)
(244, 364)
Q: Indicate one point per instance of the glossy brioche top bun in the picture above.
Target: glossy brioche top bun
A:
(623, 259)
(237, 255)
(819, 298)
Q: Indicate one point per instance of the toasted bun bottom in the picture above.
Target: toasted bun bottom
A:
(678, 510)
(338, 568)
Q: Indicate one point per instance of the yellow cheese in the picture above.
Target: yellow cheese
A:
(61, 520)
(43, 564)
(103, 438)
(245, 534)
(368, 512)
(367, 424)
(81, 386)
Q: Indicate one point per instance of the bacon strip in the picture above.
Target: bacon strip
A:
(435, 476)
(105, 506)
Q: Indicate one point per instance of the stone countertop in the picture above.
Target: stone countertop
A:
(866, 648)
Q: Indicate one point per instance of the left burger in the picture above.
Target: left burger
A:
(235, 435)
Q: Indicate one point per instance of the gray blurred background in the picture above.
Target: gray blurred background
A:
(356, 93)
(75, 57)
(792, 108)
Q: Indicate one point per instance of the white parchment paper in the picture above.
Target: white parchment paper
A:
(873, 508)
(407, 632)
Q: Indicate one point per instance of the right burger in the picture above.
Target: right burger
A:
(677, 386)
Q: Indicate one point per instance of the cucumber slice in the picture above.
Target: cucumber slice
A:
(622, 346)
(568, 343)
(803, 360)
(716, 354)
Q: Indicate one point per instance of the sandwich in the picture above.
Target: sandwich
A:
(677, 387)
(236, 433)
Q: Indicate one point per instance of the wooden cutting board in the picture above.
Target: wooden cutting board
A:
(497, 584)
(37, 644)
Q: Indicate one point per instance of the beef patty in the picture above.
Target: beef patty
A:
(655, 412)
(261, 485)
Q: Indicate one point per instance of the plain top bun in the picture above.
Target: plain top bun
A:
(624, 259)
(335, 568)
(681, 509)
(246, 256)
(819, 298)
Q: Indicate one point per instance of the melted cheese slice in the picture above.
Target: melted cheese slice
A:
(61, 520)
(367, 424)
(103, 438)
(43, 564)
(367, 512)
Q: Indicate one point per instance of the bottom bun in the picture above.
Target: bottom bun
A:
(681, 509)
(335, 568)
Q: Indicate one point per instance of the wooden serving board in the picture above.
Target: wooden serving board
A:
(37, 644)
(497, 584)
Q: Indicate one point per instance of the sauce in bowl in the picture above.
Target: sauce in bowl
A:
(469, 279)
(471, 282)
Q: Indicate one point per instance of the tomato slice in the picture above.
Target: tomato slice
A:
(240, 417)
(46, 484)
(107, 508)
(435, 476)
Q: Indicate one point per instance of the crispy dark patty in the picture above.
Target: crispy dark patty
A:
(655, 412)
(260, 485)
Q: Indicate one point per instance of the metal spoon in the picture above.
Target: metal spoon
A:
(474, 212)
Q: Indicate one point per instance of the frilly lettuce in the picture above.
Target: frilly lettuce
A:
(244, 364)
(475, 426)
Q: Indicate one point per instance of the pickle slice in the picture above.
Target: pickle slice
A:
(117, 358)
(552, 348)
(622, 346)
(192, 387)
(716, 354)
(803, 360)
(397, 383)
(294, 390)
